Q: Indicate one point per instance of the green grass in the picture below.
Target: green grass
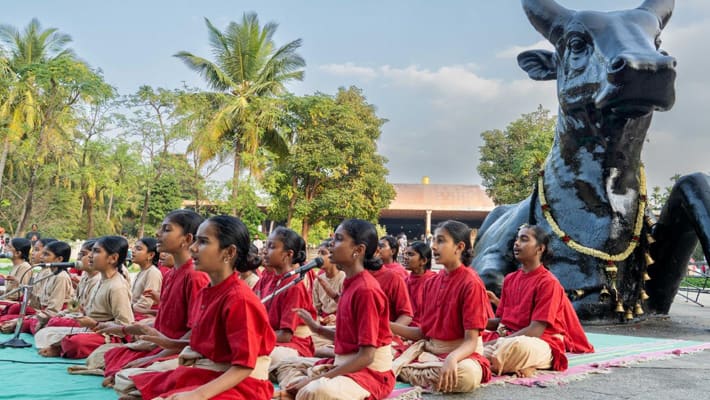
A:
(695, 281)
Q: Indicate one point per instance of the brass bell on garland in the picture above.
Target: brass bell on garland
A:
(650, 239)
(638, 310)
(579, 293)
(619, 307)
(629, 315)
(644, 296)
(646, 277)
(649, 260)
(604, 295)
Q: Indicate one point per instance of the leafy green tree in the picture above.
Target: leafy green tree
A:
(92, 123)
(166, 197)
(248, 69)
(195, 111)
(510, 159)
(333, 170)
(49, 82)
(658, 197)
(154, 123)
(248, 209)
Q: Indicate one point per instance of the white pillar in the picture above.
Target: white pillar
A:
(427, 224)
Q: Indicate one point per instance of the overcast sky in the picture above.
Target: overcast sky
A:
(441, 72)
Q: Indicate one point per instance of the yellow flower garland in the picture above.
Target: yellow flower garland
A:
(609, 258)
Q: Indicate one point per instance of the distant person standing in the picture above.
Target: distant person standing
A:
(401, 244)
(33, 235)
(3, 240)
(258, 242)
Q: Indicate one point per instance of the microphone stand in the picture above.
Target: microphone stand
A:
(288, 285)
(17, 341)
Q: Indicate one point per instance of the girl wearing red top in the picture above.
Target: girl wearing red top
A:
(453, 316)
(227, 356)
(389, 249)
(178, 291)
(363, 357)
(534, 319)
(417, 259)
(166, 263)
(286, 250)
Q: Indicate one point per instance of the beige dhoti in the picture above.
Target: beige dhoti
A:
(420, 365)
(282, 354)
(53, 335)
(123, 382)
(95, 363)
(512, 354)
(342, 387)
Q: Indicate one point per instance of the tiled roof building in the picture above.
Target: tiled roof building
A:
(417, 206)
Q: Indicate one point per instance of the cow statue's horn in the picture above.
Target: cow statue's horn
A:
(662, 8)
(547, 17)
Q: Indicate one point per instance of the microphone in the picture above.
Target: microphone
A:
(56, 264)
(316, 262)
(6, 255)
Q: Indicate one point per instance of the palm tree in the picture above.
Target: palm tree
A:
(248, 69)
(19, 107)
(45, 80)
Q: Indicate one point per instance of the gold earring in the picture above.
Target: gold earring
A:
(354, 255)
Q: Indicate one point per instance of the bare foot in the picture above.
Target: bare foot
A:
(51, 351)
(8, 326)
(282, 395)
(526, 372)
(108, 381)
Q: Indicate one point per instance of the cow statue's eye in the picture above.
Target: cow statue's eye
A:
(658, 42)
(577, 44)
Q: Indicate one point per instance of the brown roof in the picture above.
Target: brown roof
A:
(439, 197)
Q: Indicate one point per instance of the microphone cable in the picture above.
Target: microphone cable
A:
(40, 362)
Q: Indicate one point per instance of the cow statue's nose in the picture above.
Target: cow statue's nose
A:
(622, 65)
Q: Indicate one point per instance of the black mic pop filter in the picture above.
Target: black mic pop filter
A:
(316, 262)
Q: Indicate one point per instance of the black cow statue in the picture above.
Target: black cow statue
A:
(614, 259)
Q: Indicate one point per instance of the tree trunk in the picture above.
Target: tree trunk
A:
(27, 208)
(144, 213)
(89, 217)
(235, 176)
(3, 158)
(197, 190)
(110, 207)
(291, 203)
(305, 227)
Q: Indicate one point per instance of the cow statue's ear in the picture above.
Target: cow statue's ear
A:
(539, 64)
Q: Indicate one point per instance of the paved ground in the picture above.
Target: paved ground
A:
(686, 377)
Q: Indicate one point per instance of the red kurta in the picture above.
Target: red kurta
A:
(363, 320)
(415, 286)
(281, 315)
(178, 290)
(398, 268)
(456, 302)
(232, 327)
(396, 291)
(264, 286)
(539, 296)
